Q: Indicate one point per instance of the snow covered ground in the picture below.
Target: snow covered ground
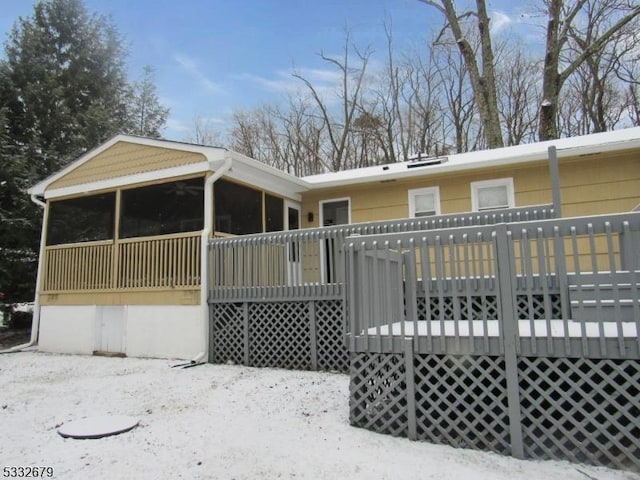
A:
(220, 422)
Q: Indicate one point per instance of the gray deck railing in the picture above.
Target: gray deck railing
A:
(310, 263)
(517, 338)
(555, 287)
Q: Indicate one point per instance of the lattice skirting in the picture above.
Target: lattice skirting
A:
(582, 410)
(378, 393)
(298, 335)
(462, 401)
(226, 324)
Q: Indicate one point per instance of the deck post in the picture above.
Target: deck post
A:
(554, 173)
(412, 430)
(508, 331)
(245, 321)
(312, 335)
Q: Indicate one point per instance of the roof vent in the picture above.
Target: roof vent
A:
(422, 160)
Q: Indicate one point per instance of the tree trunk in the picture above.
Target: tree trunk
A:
(484, 86)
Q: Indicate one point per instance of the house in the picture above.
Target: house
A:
(127, 226)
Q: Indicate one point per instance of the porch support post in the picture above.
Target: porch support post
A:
(412, 429)
(245, 322)
(115, 250)
(313, 343)
(554, 173)
(509, 335)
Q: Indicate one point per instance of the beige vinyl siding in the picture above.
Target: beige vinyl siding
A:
(591, 185)
(611, 183)
(150, 297)
(124, 159)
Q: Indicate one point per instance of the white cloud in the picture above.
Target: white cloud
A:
(177, 126)
(190, 66)
(283, 81)
(499, 20)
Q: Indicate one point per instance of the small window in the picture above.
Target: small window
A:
(335, 212)
(492, 194)
(424, 202)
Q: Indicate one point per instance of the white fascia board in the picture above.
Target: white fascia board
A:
(616, 140)
(210, 153)
(263, 176)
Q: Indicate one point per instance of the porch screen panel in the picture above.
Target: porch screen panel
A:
(238, 209)
(274, 212)
(173, 207)
(84, 219)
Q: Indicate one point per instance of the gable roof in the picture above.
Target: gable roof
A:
(243, 169)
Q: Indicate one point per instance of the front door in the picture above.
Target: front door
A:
(333, 212)
(292, 222)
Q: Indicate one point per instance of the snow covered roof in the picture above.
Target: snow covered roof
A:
(256, 173)
(566, 147)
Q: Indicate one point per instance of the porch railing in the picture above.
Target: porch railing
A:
(562, 286)
(167, 261)
(310, 262)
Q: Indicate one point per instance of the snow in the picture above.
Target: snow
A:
(220, 421)
(477, 327)
(500, 157)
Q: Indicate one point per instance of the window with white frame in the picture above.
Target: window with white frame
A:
(492, 194)
(424, 202)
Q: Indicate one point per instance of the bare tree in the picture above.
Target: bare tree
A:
(287, 137)
(204, 132)
(630, 74)
(460, 111)
(482, 77)
(591, 24)
(426, 131)
(518, 93)
(244, 134)
(352, 77)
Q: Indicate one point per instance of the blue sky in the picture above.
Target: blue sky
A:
(214, 56)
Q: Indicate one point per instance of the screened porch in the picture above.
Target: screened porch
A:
(148, 237)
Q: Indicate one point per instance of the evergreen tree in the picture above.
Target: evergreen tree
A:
(63, 91)
(67, 83)
(19, 233)
(146, 114)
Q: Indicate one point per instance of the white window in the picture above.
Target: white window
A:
(424, 202)
(335, 212)
(492, 194)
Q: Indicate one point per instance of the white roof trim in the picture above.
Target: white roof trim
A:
(130, 180)
(260, 174)
(566, 147)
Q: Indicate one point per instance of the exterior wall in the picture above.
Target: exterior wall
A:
(123, 159)
(590, 185)
(166, 331)
(600, 184)
(67, 329)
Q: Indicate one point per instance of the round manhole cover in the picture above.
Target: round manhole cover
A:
(98, 427)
